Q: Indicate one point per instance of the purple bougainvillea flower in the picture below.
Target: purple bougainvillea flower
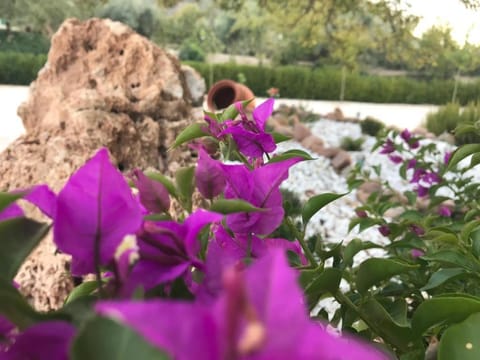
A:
(406, 135)
(44, 198)
(445, 211)
(260, 187)
(153, 195)
(214, 128)
(260, 315)
(432, 177)
(396, 159)
(422, 190)
(384, 230)
(167, 250)
(417, 229)
(446, 157)
(388, 147)
(361, 213)
(209, 177)
(40, 195)
(414, 144)
(418, 175)
(95, 211)
(412, 164)
(251, 144)
(416, 253)
(250, 136)
(10, 212)
(43, 341)
(225, 251)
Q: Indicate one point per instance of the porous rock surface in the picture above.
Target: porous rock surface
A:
(102, 85)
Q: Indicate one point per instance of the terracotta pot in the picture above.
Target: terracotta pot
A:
(226, 92)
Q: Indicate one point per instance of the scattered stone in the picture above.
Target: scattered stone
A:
(341, 160)
(300, 131)
(330, 152)
(283, 130)
(337, 114)
(367, 189)
(313, 143)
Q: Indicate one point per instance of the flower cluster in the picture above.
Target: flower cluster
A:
(212, 283)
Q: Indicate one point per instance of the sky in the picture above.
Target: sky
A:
(452, 12)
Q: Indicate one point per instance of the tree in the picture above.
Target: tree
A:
(435, 53)
(140, 15)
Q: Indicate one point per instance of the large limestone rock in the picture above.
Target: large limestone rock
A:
(103, 85)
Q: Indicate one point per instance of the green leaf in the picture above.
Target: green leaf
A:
(18, 237)
(464, 129)
(364, 223)
(442, 276)
(327, 281)
(229, 206)
(354, 247)
(454, 258)
(157, 217)
(7, 198)
(290, 154)
(77, 311)
(411, 215)
(14, 307)
(411, 196)
(211, 115)
(444, 310)
(192, 131)
(278, 138)
(308, 275)
(442, 236)
(372, 271)
(461, 341)
(185, 185)
(476, 243)
(230, 113)
(397, 309)
(383, 324)
(475, 160)
(84, 289)
(468, 228)
(461, 153)
(165, 181)
(317, 202)
(105, 339)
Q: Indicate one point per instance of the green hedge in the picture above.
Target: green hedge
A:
(324, 84)
(20, 68)
(24, 42)
(293, 82)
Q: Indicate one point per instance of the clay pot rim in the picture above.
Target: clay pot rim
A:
(216, 86)
(237, 90)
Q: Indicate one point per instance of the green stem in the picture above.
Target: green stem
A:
(300, 236)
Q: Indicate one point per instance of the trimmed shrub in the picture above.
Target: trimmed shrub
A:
(350, 144)
(448, 117)
(371, 126)
(191, 51)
